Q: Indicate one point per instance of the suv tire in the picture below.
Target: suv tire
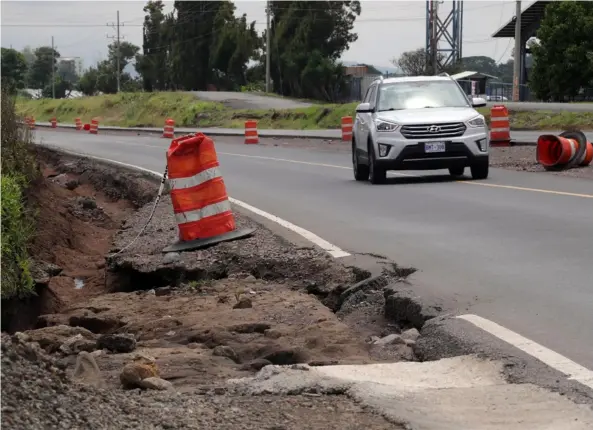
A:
(480, 169)
(377, 175)
(361, 171)
(456, 171)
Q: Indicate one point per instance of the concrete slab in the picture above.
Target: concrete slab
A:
(449, 394)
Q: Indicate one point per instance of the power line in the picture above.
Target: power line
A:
(117, 54)
(392, 19)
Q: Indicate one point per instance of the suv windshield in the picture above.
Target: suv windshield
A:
(419, 95)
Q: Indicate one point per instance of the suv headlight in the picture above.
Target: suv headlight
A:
(477, 122)
(385, 126)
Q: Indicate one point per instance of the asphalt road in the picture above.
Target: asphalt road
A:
(515, 248)
(238, 100)
(552, 107)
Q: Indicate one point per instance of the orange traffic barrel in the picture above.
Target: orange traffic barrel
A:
(200, 201)
(54, 122)
(569, 149)
(251, 135)
(78, 124)
(346, 128)
(30, 121)
(500, 126)
(169, 129)
(94, 128)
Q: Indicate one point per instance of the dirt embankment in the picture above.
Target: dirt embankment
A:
(193, 319)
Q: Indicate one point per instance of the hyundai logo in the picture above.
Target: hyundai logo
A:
(434, 129)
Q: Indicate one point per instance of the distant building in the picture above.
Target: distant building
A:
(473, 83)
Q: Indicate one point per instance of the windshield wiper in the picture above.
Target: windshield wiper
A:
(390, 109)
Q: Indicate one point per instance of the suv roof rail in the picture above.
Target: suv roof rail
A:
(444, 74)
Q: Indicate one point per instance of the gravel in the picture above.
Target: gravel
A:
(523, 158)
(37, 394)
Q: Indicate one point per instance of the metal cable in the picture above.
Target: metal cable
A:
(156, 202)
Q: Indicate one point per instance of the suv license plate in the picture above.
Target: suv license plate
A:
(434, 147)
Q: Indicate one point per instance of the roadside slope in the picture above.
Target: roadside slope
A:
(231, 110)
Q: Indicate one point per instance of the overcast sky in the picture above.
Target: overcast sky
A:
(385, 28)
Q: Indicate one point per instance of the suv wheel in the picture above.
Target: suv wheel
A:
(377, 175)
(456, 171)
(361, 171)
(480, 169)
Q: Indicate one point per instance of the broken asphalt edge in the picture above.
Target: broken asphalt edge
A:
(328, 134)
(442, 335)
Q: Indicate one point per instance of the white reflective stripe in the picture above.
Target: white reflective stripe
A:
(498, 130)
(251, 129)
(198, 214)
(499, 118)
(192, 181)
(573, 148)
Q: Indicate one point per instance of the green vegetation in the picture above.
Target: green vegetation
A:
(544, 120)
(563, 55)
(19, 168)
(151, 110)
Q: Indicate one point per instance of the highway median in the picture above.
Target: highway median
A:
(152, 110)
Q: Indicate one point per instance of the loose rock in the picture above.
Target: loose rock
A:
(133, 373)
(256, 364)
(52, 338)
(244, 303)
(226, 351)
(87, 371)
(171, 257)
(154, 383)
(390, 339)
(411, 334)
(76, 344)
(120, 343)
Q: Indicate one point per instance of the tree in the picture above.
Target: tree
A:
(67, 71)
(152, 64)
(14, 69)
(561, 64)
(234, 43)
(29, 55)
(481, 64)
(127, 52)
(192, 43)
(412, 63)
(307, 39)
(40, 73)
(87, 84)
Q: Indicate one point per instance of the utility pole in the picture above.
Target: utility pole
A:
(517, 55)
(117, 25)
(268, 89)
(434, 42)
(53, 70)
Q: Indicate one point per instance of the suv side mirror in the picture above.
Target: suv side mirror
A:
(478, 102)
(364, 108)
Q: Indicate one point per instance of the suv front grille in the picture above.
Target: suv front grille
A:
(433, 131)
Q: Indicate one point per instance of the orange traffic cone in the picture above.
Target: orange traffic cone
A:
(198, 193)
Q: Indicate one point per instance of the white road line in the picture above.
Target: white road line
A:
(331, 249)
(572, 370)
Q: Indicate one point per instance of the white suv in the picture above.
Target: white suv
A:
(418, 123)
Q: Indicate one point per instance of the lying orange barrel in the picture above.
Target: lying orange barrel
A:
(569, 149)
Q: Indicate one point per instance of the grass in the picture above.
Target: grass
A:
(151, 110)
(544, 120)
(19, 169)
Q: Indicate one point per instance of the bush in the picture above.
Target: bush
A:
(19, 168)
(17, 229)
